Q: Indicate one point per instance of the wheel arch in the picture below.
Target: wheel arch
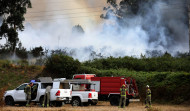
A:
(77, 97)
(10, 96)
(41, 99)
(12, 103)
(113, 94)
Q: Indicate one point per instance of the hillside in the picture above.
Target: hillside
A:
(12, 75)
(167, 76)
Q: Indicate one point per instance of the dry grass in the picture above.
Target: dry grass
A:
(102, 106)
(2, 91)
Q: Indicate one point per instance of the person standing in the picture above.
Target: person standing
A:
(46, 96)
(28, 92)
(123, 96)
(148, 97)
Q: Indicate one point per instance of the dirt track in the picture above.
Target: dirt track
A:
(101, 106)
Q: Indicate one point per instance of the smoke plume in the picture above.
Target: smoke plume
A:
(160, 25)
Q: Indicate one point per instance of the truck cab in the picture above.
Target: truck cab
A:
(60, 92)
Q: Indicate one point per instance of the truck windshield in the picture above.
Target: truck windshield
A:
(21, 87)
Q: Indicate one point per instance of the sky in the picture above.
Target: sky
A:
(49, 24)
(83, 12)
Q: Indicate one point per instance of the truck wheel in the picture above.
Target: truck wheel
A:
(94, 103)
(41, 100)
(127, 102)
(9, 101)
(22, 104)
(58, 104)
(76, 102)
(86, 104)
(114, 100)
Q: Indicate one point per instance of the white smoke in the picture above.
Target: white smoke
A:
(162, 28)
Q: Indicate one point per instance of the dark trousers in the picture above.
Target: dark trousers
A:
(28, 98)
(122, 100)
(46, 98)
(148, 101)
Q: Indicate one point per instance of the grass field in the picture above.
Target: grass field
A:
(101, 106)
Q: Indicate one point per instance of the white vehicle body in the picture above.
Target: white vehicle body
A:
(56, 93)
(80, 96)
(85, 96)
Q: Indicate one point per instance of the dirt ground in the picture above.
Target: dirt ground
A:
(101, 106)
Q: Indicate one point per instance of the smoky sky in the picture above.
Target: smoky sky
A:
(160, 25)
(166, 23)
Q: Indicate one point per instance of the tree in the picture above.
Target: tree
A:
(77, 29)
(21, 52)
(12, 12)
(121, 10)
(5, 51)
(59, 65)
(37, 51)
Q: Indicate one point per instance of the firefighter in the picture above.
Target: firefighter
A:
(123, 96)
(28, 92)
(148, 97)
(46, 96)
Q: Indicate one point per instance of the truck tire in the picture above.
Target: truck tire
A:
(127, 102)
(9, 101)
(114, 100)
(76, 102)
(94, 103)
(58, 104)
(41, 100)
(22, 104)
(86, 104)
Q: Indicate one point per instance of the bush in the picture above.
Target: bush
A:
(163, 63)
(59, 65)
(2, 91)
(4, 63)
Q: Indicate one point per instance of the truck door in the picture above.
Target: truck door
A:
(19, 94)
(54, 90)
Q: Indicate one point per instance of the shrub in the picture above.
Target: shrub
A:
(60, 65)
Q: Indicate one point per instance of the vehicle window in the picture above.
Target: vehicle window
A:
(79, 87)
(44, 85)
(22, 87)
(64, 86)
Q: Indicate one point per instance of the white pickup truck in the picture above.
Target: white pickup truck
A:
(82, 94)
(60, 92)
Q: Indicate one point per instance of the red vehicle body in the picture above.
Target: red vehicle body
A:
(108, 88)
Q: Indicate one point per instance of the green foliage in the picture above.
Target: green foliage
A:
(168, 77)
(163, 63)
(170, 87)
(59, 65)
(12, 12)
(4, 64)
(21, 52)
(12, 75)
(37, 51)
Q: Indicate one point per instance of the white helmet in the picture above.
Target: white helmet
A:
(147, 86)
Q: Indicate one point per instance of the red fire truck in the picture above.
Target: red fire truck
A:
(108, 88)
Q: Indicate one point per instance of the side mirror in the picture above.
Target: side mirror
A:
(17, 88)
